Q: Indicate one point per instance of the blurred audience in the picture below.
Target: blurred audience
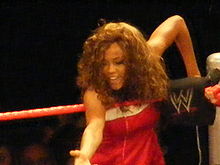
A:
(40, 141)
(37, 154)
(6, 157)
(67, 136)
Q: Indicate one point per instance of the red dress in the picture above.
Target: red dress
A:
(129, 138)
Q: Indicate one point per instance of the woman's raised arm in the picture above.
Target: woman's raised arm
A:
(174, 30)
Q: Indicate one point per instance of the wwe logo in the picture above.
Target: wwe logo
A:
(183, 100)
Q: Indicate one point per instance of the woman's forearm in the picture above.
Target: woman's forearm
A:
(185, 46)
(91, 140)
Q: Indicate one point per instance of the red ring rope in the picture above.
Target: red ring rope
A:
(52, 111)
(41, 112)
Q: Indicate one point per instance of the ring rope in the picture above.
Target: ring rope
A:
(56, 110)
(41, 112)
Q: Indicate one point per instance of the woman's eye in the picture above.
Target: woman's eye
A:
(120, 62)
(104, 63)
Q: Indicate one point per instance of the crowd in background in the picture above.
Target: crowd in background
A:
(41, 141)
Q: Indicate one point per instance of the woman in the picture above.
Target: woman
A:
(122, 79)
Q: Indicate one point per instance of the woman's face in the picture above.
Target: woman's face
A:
(114, 67)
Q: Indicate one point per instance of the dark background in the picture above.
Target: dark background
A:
(41, 42)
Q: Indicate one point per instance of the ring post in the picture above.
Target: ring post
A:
(212, 62)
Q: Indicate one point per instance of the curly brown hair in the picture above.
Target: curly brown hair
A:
(146, 76)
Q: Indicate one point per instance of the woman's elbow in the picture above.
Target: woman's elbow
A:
(178, 19)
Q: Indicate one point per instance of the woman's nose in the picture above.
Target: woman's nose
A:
(111, 68)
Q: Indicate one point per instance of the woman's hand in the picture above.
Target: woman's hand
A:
(80, 158)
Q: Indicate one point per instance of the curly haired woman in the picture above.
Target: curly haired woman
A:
(122, 78)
